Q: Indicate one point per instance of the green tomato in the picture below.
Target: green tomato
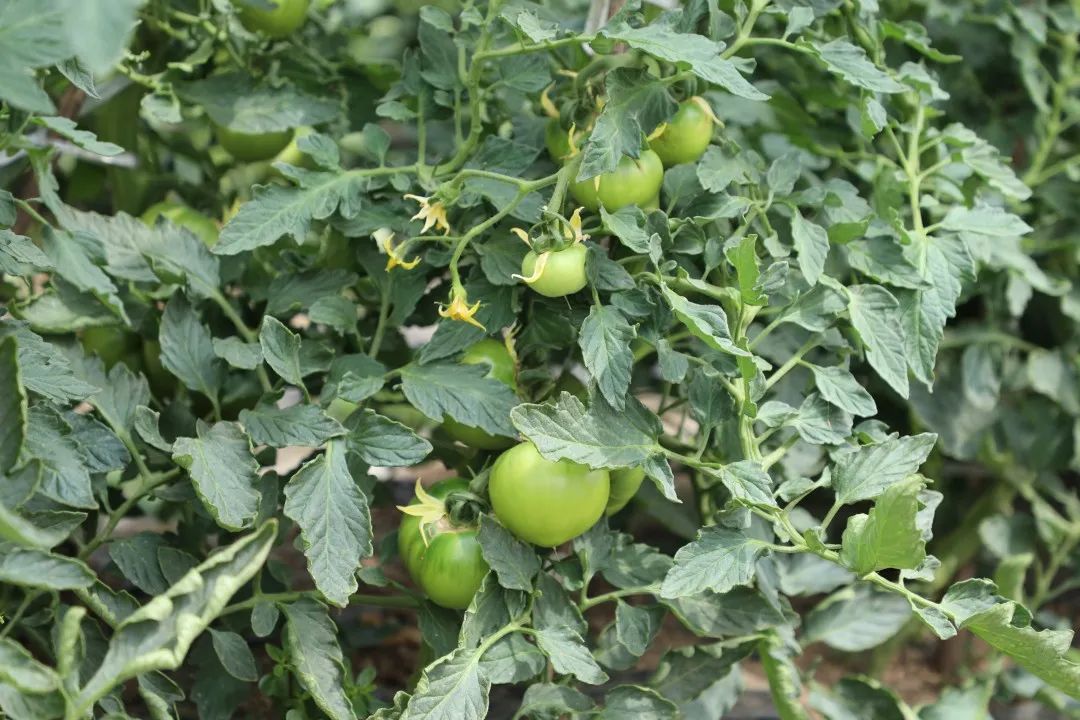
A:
(545, 502)
(557, 140)
(340, 409)
(563, 272)
(280, 22)
(500, 364)
(178, 214)
(292, 155)
(635, 181)
(624, 485)
(112, 344)
(252, 147)
(449, 567)
(161, 380)
(686, 136)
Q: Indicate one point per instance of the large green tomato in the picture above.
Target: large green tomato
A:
(557, 140)
(544, 502)
(252, 147)
(449, 567)
(686, 136)
(500, 365)
(624, 485)
(563, 272)
(112, 344)
(280, 22)
(636, 181)
(204, 228)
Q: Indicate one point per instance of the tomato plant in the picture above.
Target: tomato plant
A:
(736, 344)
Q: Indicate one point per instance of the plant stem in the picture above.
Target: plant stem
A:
(588, 602)
(384, 314)
(792, 362)
(149, 483)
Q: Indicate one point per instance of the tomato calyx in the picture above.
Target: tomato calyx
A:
(458, 511)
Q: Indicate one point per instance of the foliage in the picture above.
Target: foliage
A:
(843, 345)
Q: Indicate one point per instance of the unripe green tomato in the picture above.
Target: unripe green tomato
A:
(557, 140)
(449, 567)
(635, 181)
(161, 380)
(500, 364)
(340, 409)
(112, 344)
(280, 22)
(624, 485)
(252, 147)
(292, 155)
(544, 502)
(563, 273)
(653, 204)
(204, 228)
(686, 135)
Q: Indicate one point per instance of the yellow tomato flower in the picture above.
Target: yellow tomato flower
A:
(432, 213)
(459, 309)
(393, 254)
(575, 227)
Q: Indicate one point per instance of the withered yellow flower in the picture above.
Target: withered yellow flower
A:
(432, 213)
(459, 309)
(394, 257)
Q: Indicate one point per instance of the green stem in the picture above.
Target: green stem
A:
(588, 602)
(8, 626)
(1066, 68)
(149, 483)
(384, 314)
(793, 361)
(747, 27)
(247, 333)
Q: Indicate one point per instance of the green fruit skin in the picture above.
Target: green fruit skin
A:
(564, 271)
(112, 344)
(450, 566)
(252, 147)
(161, 380)
(500, 364)
(556, 140)
(409, 530)
(636, 181)
(202, 226)
(280, 22)
(686, 136)
(624, 485)
(543, 502)
(340, 409)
